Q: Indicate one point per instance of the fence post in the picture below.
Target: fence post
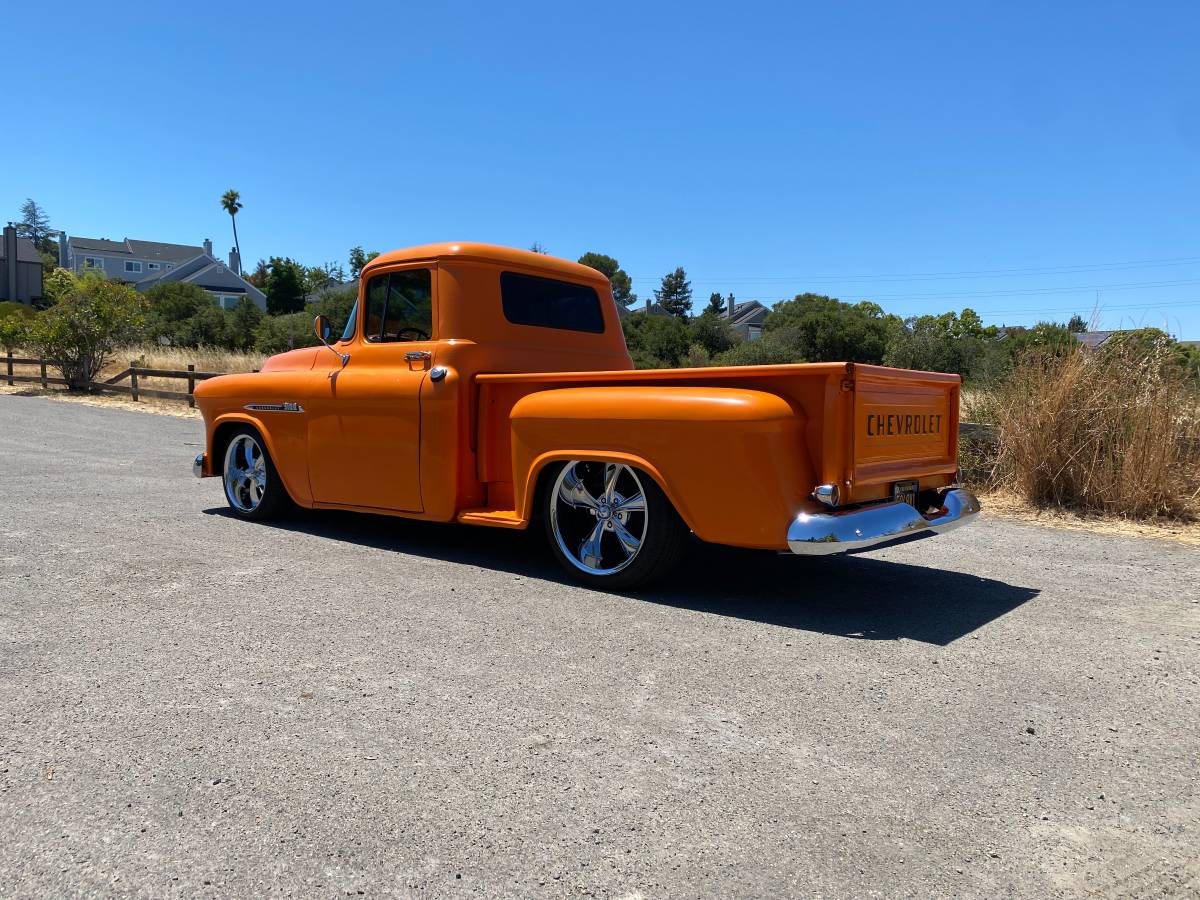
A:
(10, 381)
(42, 361)
(191, 385)
(133, 380)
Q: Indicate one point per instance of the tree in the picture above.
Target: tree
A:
(948, 343)
(172, 307)
(34, 224)
(536, 247)
(335, 306)
(1077, 325)
(285, 286)
(318, 278)
(824, 329)
(258, 277)
(655, 342)
(713, 333)
(716, 304)
(83, 328)
(277, 334)
(675, 294)
(15, 321)
(359, 260)
(243, 324)
(622, 284)
(231, 202)
(58, 284)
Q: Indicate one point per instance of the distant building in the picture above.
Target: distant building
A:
(20, 268)
(147, 263)
(1094, 340)
(747, 318)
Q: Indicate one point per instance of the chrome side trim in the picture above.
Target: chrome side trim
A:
(198, 465)
(819, 534)
(274, 407)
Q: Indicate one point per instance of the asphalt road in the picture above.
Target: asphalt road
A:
(345, 705)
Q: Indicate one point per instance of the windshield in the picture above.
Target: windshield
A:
(348, 332)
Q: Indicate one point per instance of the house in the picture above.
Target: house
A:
(147, 263)
(20, 269)
(747, 318)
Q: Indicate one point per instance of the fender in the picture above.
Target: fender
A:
(294, 477)
(732, 461)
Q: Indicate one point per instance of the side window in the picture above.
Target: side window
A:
(529, 300)
(400, 306)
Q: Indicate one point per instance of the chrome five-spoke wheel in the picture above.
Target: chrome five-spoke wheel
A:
(610, 523)
(252, 486)
(245, 473)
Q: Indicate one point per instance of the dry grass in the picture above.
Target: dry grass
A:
(1114, 433)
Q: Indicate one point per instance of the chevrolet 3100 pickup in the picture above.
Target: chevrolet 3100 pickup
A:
(491, 386)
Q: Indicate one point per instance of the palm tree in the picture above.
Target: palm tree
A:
(231, 202)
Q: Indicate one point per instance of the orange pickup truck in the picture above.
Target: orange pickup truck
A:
(492, 386)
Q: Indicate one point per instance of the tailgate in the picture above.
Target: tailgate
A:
(905, 425)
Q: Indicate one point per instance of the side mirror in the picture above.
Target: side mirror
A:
(324, 332)
(323, 328)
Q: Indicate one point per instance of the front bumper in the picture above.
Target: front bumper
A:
(198, 465)
(819, 534)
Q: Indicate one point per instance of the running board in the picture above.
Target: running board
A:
(495, 518)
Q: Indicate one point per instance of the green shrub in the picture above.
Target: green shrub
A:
(83, 328)
(277, 334)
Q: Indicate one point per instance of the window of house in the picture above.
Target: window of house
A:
(132, 266)
(227, 302)
(753, 332)
(400, 306)
(93, 262)
(153, 266)
(529, 300)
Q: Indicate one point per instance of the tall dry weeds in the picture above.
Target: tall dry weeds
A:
(1114, 432)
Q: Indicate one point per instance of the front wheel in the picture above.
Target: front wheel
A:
(610, 525)
(253, 488)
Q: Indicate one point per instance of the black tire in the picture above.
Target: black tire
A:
(663, 534)
(272, 497)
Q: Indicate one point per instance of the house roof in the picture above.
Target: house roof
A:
(26, 251)
(205, 272)
(747, 311)
(1093, 339)
(154, 250)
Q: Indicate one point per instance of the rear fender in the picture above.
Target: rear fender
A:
(733, 461)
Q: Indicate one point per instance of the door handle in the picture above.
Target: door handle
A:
(414, 355)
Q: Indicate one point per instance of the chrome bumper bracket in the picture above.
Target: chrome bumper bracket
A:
(820, 534)
(198, 465)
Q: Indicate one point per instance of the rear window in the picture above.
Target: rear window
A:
(529, 300)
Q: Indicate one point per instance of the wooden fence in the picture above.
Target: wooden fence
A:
(114, 384)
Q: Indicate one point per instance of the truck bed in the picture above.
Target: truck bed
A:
(865, 427)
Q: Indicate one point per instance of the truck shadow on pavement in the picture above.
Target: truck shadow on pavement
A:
(849, 596)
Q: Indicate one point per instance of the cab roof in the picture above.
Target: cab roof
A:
(489, 253)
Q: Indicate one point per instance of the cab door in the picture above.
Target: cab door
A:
(364, 431)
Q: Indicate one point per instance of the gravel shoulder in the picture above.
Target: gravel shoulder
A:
(195, 706)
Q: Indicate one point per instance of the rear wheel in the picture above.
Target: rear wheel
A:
(253, 488)
(610, 525)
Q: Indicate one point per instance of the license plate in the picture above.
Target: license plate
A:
(906, 491)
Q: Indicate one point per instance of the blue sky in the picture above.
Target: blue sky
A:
(1029, 161)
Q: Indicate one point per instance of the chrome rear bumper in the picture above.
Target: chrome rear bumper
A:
(198, 465)
(818, 534)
